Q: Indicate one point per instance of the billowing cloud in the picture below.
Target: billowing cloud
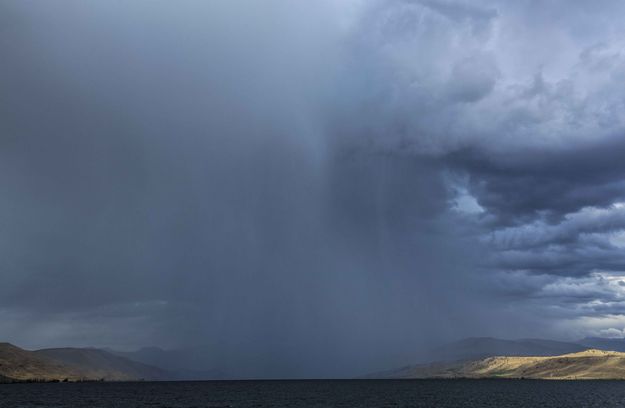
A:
(522, 104)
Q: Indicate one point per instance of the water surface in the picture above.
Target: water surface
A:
(348, 394)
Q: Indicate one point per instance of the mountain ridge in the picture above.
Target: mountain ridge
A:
(449, 358)
(70, 364)
(590, 364)
(476, 357)
(103, 364)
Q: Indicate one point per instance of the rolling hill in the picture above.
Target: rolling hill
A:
(70, 364)
(586, 365)
(22, 365)
(104, 365)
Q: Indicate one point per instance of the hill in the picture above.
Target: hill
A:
(585, 365)
(71, 364)
(102, 364)
(23, 365)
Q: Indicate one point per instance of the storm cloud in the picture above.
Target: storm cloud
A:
(316, 189)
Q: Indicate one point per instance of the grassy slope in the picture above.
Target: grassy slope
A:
(72, 364)
(589, 364)
(102, 364)
(19, 364)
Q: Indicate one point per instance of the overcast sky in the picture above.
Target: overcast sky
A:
(310, 188)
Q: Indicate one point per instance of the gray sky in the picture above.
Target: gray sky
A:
(310, 188)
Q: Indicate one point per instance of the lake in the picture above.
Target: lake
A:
(322, 393)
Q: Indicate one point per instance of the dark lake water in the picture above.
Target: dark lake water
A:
(364, 393)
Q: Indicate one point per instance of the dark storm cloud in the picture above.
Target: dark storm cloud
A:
(309, 189)
(526, 114)
(526, 184)
(178, 175)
